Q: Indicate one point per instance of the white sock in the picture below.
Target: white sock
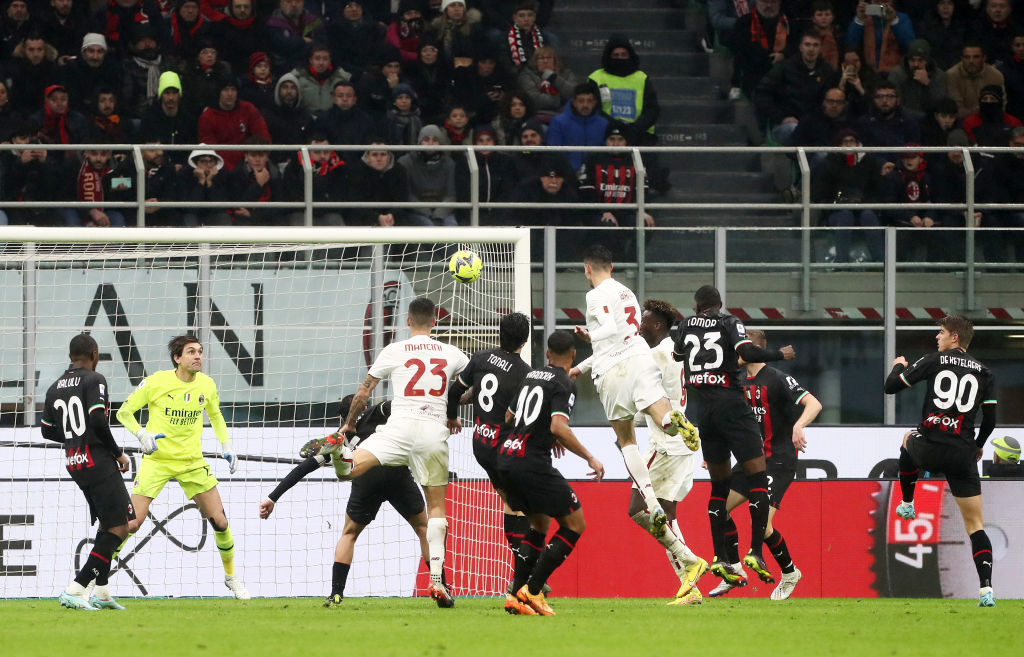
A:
(667, 426)
(75, 589)
(685, 554)
(437, 532)
(638, 471)
(342, 462)
(102, 592)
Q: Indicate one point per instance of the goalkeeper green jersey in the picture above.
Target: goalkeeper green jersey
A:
(175, 410)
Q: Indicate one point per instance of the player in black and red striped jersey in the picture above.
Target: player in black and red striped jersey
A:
(494, 376)
(782, 408)
(539, 422)
(75, 414)
(710, 344)
(958, 387)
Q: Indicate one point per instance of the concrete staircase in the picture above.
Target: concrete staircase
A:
(694, 113)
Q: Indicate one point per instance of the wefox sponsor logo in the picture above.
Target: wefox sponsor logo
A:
(709, 379)
(947, 423)
(77, 459)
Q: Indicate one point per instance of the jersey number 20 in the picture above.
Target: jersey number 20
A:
(72, 413)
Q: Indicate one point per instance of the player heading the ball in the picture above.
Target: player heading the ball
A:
(625, 374)
(416, 434)
(172, 444)
(75, 414)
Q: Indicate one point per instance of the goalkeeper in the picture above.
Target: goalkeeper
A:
(172, 446)
(387, 483)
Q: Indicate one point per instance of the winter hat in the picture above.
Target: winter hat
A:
(53, 87)
(906, 154)
(992, 90)
(94, 39)
(526, 5)
(482, 129)
(919, 48)
(615, 128)
(445, 3)
(409, 5)
(402, 88)
(946, 106)
(204, 152)
(256, 58)
(143, 31)
(844, 133)
(558, 166)
(431, 130)
(1007, 448)
(533, 123)
(386, 54)
(168, 80)
(957, 137)
(225, 82)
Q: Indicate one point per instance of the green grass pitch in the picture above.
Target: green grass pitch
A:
(480, 628)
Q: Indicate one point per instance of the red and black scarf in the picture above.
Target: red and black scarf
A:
(55, 126)
(915, 190)
(113, 27)
(515, 43)
(321, 77)
(326, 166)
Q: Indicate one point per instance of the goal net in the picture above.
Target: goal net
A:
(290, 320)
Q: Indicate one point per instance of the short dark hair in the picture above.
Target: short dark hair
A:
(561, 342)
(588, 87)
(821, 5)
(885, 84)
(177, 345)
(663, 310)
(973, 44)
(707, 297)
(758, 337)
(961, 326)
(513, 331)
(318, 46)
(345, 407)
(82, 345)
(598, 255)
(421, 311)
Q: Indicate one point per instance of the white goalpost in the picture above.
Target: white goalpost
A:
(290, 319)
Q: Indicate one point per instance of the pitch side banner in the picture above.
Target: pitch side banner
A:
(271, 330)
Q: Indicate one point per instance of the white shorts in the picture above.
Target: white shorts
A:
(671, 475)
(422, 445)
(629, 386)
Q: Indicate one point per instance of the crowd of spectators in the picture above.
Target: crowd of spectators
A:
(305, 72)
(887, 73)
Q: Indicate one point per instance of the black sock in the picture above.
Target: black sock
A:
(758, 501)
(981, 548)
(529, 551)
(732, 541)
(98, 562)
(908, 475)
(515, 529)
(780, 551)
(339, 575)
(558, 550)
(103, 576)
(718, 516)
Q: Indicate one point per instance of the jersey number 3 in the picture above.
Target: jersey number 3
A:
(437, 369)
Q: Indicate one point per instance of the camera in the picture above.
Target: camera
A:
(875, 10)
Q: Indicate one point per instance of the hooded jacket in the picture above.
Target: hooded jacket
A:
(372, 186)
(288, 124)
(430, 176)
(627, 94)
(317, 92)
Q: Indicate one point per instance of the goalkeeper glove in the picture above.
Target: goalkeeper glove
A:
(147, 440)
(225, 451)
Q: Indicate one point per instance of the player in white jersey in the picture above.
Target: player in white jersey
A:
(416, 434)
(625, 374)
(669, 461)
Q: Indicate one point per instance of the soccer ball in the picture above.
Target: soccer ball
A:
(465, 266)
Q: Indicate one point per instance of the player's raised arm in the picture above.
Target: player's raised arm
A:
(359, 401)
(460, 385)
(312, 464)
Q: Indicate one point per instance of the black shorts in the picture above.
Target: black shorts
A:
(727, 425)
(953, 457)
(779, 479)
(109, 501)
(385, 483)
(487, 457)
(539, 490)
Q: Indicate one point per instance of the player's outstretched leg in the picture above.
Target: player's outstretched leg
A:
(686, 430)
(981, 550)
(637, 469)
(688, 566)
(908, 479)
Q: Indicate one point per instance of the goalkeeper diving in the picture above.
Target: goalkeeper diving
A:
(171, 443)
